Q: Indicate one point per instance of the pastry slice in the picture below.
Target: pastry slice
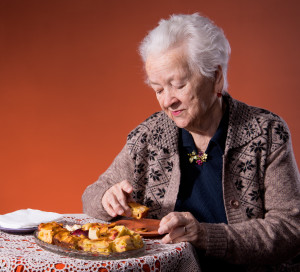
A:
(103, 245)
(65, 239)
(46, 231)
(138, 211)
(126, 243)
(96, 232)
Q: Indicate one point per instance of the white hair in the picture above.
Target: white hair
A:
(207, 46)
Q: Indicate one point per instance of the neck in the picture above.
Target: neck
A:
(206, 130)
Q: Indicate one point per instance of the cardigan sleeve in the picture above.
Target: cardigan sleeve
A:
(276, 237)
(121, 168)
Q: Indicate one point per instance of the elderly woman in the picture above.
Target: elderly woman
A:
(217, 172)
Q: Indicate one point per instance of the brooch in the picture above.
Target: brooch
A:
(200, 158)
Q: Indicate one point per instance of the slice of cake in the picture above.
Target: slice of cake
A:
(46, 231)
(64, 238)
(103, 245)
(138, 211)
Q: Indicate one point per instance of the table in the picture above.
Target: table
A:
(20, 253)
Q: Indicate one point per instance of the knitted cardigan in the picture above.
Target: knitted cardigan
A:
(261, 184)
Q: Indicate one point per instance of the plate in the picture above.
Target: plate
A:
(88, 255)
(150, 224)
(19, 231)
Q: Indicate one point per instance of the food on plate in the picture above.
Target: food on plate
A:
(127, 242)
(73, 228)
(138, 211)
(79, 232)
(48, 230)
(92, 237)
(64, 238)
(103, 245)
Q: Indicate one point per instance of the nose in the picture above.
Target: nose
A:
(169, 98)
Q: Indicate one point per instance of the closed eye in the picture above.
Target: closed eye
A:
(159, 91)
(179, 87)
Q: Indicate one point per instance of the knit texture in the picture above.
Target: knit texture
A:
(261, 184)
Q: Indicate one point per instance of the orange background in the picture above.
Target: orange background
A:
(72, 84)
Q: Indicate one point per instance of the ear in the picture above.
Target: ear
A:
(219, 80)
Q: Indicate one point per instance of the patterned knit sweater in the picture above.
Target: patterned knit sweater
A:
(261, 184)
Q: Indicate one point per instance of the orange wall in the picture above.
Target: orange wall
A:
(71, 84)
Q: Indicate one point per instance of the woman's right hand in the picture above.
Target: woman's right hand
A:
(116, 197)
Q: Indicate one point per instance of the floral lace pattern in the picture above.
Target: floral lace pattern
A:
(21, 253)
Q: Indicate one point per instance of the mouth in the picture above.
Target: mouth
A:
(176, 113)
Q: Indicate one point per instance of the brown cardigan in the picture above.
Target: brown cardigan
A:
(261, 184)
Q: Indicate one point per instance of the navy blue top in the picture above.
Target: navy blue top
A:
(200, 190)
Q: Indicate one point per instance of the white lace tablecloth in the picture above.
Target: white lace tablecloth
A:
(20, 253)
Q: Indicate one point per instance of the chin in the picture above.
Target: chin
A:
(181, 124)
(179, 121)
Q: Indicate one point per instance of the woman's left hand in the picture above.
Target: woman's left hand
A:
(182, 226)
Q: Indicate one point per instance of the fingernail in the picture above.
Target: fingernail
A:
(120, 212)
(163, 240)
(160, 230)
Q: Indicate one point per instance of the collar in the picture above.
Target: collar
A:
(243, 125)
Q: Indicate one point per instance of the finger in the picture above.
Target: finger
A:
(125, 196)
(170, 222)
(178, 239)
(179, 233)
(107, 207)
(121, 197)
(126, 186)
(167, 239)
(185, 217)
(188, 216)
(174, 235)
(166, 219)
(109, 210)
(163, 228)
(115, 204)
(126, 209)
(130, 197)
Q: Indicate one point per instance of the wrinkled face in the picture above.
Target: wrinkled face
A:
(188, 98)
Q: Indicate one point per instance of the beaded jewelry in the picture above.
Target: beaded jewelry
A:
(200, 158)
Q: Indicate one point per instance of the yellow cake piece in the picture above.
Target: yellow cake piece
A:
(123, 243)
(138, 210)
(48, 230)
(103, 245)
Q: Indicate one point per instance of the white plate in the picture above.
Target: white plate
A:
(19, 231)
